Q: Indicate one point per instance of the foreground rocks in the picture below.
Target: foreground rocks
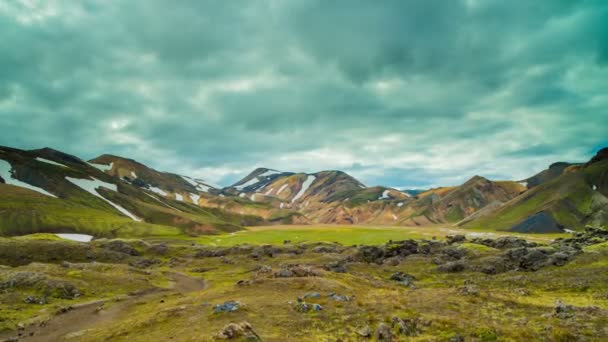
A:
(242, 330)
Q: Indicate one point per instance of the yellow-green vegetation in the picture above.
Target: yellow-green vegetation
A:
(145, 290)
(347, 235)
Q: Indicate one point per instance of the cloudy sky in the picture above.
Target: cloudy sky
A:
(402, 93)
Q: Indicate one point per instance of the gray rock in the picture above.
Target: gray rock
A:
(452, 267)
(403, 278)
(229, 306)
(384, 333)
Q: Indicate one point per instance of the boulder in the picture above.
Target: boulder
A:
(407, 326)
(403, 278)
(366, 331)
(242, 330)
(121, 247)
(452, 267)
(451, 239)
(229, 306)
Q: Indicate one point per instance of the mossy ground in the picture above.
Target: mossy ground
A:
(508, 306)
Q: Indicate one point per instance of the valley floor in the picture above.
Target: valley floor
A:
(482, 288)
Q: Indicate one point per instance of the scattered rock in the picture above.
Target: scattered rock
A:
(366, 331)
(452, 267)
(210, 253)
(121, 247)
(325, 249)
(403, 279)
(393, 261)
(35, 300)
(238, 330)
(160, 249)
(336, 266)
(339, 298)
(505, 242)
(244, 282)
(451, 239)
(469, 289)
(266, 250)
(306, 307)
(291, 271)
(228, 306)
(226, 260)
(384, 333)
(314, 295)
(457, 338)
(563, 311)
(407, 326)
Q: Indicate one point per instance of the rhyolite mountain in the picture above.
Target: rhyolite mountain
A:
(49, 191)
(572, 198)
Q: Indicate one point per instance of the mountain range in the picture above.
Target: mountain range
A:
(46, 190)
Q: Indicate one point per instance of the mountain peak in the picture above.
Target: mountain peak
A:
(599, 156)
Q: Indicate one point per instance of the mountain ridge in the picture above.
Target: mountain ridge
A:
(269, 196)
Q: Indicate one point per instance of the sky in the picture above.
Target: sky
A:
(402, 93)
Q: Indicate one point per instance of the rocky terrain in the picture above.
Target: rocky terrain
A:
(452, 288)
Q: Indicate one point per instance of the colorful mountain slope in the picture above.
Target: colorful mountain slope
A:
(50, 191)
(572, 200)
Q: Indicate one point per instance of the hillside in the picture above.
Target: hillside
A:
(571, 201)
(50, 191)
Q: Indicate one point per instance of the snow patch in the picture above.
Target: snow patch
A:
(76, 237)
(269, 173)
(242, 195)
(134, 175)
(394, 217)
(252, 197)
(49, 162)
(570, 231)
(268, 192)
(158, 191)
(198, 184)
(161, 202)
(384, 195)
(248, 183)
(102, 167)
(257, 179)
(179, 197)
(594, 187)
(282, 188)
(91, 187)
(307, 183)
(189, 180)
(6, 172)
(282, 205)
(524, 184)
(400, 204)
(195, 198)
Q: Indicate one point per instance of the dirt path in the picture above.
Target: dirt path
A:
(95, 314)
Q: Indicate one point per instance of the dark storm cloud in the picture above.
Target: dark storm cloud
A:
(401, 93)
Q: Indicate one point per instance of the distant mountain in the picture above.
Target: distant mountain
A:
(453, 204)
(555, 170)
(49, 191)
(180, 188)
(574, 198)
